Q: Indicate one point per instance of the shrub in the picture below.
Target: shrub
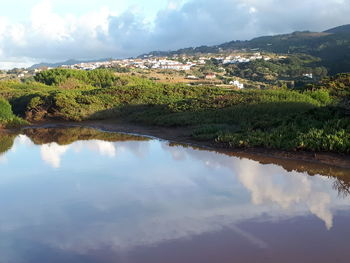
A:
(5, 109)
(7, 118)
(70, 78)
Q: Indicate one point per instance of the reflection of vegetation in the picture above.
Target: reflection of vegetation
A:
(342, 185)
(6, 142)
(65, 136)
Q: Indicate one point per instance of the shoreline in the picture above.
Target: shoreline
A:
(182, 136)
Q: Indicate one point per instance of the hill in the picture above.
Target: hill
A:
(339, 29)
(68, 62)
(331, 46)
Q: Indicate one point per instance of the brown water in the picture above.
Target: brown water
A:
(80, 195)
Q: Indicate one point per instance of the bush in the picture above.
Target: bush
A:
(321, 96)
(70, 78)
(7, 118)
(309, 119)
(5, 109)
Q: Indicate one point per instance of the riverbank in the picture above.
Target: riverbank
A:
(314, 119)
(288, 159)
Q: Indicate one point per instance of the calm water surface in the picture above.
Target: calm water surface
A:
(80, 195)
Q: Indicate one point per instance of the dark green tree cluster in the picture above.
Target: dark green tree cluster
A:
(291, 68)
(5, 109)
(7, 118)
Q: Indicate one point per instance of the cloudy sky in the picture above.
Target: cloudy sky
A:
(55, 30)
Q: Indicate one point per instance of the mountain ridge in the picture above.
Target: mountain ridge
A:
(244, 43)
(339, 29)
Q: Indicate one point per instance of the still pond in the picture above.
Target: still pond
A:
(78, 195)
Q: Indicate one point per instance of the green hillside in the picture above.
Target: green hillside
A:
(331, 46)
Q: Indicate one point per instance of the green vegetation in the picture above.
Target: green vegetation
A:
(338, 87)
(98, 78)
(291, 68)
(7, 118)
(309, 118)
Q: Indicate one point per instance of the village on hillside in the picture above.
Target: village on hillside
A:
(230, 69)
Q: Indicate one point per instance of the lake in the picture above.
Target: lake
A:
(83, 195)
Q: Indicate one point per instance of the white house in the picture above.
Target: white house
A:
(237, 84)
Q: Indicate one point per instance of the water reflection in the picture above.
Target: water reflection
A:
(268, 184)
(81, 190)
(52, 153)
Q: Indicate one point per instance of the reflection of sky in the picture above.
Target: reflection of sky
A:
(134, 193)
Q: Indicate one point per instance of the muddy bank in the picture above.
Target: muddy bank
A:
(182, 136)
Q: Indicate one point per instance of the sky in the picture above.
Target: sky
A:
(33, 31)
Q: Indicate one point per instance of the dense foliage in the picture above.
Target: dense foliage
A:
(5, 109)
(101, 78)
(338, 87)
(311, 118)
(7, 118)
(291, 68)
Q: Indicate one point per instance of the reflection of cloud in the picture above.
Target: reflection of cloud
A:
(156, 200)
(268, 183)
(176, 152)
(3, 159)
(139, 149)
(102, 147)
(271, 184)
(52, 153)
(319, 205)
(23, 140)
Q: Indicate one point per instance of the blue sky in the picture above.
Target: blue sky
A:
(33, 31)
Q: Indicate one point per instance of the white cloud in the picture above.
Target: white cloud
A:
(104, 32)
(47, 24)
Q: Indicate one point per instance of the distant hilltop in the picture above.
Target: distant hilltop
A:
(339, 29)
(66, 63)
